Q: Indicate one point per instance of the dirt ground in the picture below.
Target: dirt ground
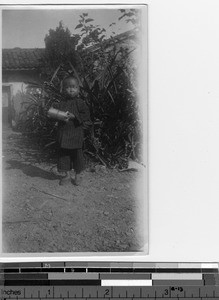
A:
(39, 215)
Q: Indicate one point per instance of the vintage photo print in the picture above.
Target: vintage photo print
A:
(74, 129)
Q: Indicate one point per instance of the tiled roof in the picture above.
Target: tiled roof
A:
(21, 59)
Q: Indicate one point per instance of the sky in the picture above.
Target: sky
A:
(27, 28)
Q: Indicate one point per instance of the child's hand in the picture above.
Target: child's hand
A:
(66, 119)
(70, 116)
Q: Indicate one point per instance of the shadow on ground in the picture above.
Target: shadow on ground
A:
(28, 148)
(31, 170)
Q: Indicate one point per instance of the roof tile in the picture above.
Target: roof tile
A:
(18, 58)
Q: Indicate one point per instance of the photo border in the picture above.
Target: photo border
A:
(93, 256)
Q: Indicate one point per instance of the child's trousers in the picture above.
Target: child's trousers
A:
(71, 159)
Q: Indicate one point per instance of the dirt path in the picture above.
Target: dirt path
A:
(100, 215)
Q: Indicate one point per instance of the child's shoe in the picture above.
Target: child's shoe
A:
(66, 180)
(78, 179)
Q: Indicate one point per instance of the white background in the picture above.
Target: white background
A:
(183, 129)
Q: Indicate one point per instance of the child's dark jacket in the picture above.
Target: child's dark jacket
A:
(71, 134)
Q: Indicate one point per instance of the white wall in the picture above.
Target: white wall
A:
(17, 88)
(184, 130)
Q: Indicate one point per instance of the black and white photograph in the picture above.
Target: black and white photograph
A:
(74, 129)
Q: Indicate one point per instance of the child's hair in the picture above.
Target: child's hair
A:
(68, 77)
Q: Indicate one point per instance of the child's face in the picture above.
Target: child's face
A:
(71, 87)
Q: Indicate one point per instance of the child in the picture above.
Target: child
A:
(70, 131)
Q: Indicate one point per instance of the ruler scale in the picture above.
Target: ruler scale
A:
(109, 280)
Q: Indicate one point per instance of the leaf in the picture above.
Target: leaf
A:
(31, 97)
(55, 73)
(113, 81)
(102, 37)
(111, 96)
(86, 86)
(79, 26)
(51, 143)
(132, 21)
(32, 84)
(121, 17)
(129, 14)
(89, 20)
(75, 72)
